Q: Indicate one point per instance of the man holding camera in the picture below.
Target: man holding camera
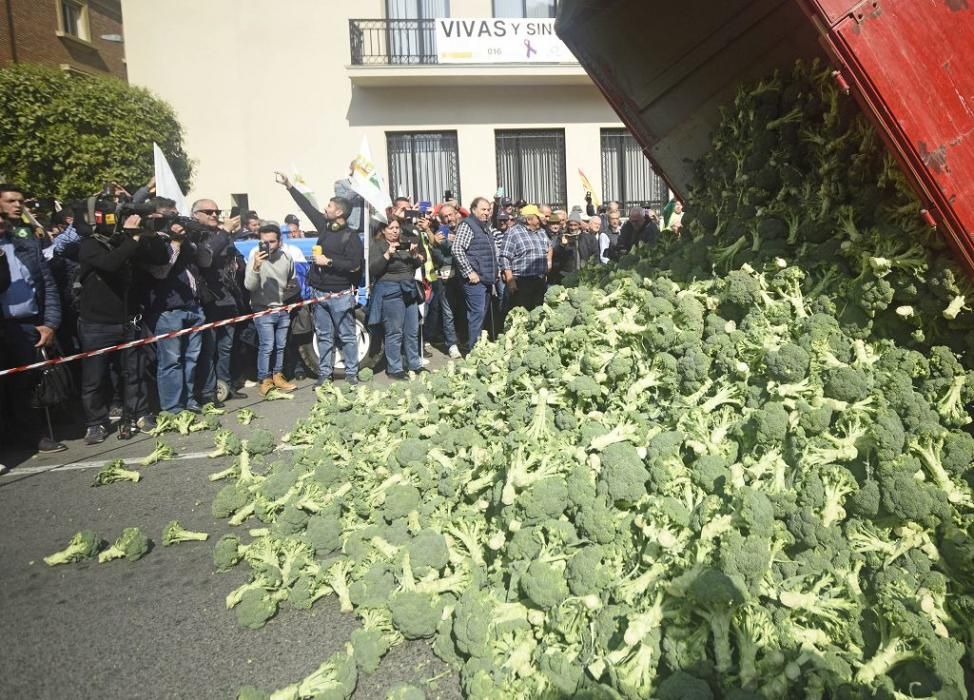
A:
(269, 273)
(30, 313)
(219, 264)
(110, 313)
(175, 302)
(639, 229)
(335, 269)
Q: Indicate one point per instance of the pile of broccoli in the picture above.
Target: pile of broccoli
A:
(730, 466)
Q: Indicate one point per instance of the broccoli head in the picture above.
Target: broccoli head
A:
(132, 544)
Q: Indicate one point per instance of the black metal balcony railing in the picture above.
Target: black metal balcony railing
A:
(393, 42)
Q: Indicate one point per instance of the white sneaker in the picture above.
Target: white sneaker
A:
(250, 383)
(4, 469)
(455, 352)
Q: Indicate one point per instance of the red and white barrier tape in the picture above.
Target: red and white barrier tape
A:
(175, 334)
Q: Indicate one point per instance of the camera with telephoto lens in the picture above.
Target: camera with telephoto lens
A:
(192, 229)
(520, 204)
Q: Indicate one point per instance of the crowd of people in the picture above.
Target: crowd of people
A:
(120, 267)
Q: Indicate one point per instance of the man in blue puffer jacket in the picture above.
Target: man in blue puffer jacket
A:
(475, 260)
(31, 312)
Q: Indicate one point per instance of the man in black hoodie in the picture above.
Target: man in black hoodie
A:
(335, 268)
(109, 315)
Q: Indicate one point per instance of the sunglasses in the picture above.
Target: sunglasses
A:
(210, 212)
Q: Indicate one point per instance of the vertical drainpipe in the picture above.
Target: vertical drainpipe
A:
(11, 30)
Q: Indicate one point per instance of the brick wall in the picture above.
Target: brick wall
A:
(35, 23)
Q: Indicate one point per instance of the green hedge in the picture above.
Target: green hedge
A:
(65, 135)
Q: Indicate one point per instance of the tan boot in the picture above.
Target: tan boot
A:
(265, 386)
(281, 383)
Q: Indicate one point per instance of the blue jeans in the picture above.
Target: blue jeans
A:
(476, 296)
(331, 316)
(400, 322)
(177, 358)
(439, 318)
(215, 354)
(272, 334)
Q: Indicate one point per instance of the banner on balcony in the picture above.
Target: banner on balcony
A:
(500, 41)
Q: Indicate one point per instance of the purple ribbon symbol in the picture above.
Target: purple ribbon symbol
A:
(531, 49)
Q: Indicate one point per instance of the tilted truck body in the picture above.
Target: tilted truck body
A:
(667, 68)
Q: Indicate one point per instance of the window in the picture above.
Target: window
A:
(627, 175)
(525, 8)
(531, 165)
(73, 19)
(423, 165)
(411, 30)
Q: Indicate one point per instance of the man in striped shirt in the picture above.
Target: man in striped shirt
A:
(524, 260)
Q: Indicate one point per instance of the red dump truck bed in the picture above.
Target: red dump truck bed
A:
(667, 67)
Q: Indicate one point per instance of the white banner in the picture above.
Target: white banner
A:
(166, 184)
(368, 183)
(500, 41)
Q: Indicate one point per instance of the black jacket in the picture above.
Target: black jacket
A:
(28, 251)
(170, 287)
(570, 258)
(110, 292)
(343, 247)
(4, 273)
(648, 233)
(219, 264)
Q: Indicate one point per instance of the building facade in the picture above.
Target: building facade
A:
(294, 85)
(80, 36)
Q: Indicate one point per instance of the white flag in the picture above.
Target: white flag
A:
(166, 183)
(301, 185)
(368, 183)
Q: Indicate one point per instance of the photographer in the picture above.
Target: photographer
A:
(269, 274)
(220, 266)
(110, 314)
(336, 268)
(572, 249)
(174, 302)
(393, 260)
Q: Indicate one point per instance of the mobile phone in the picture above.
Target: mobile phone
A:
(264, 247)
(448, 195)
(241, 204)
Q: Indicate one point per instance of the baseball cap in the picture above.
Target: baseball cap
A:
(530, 210)
(503, 216)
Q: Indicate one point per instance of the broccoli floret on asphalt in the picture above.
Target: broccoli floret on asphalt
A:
(787, 364)
(401, 500)
(715, 597)
(563, 672)
(84, 545)
(428, 552)
(623, 475)
(132, 544)
(115, 471)
(416, 615)
(226, 442)
(257, 606)
(245, 416)
(290, 521)
(174, 533)
(278, 482)
(683, 686)
(755, 510)
(848, 384)
(260, 442)
(369, 648)
(544, 585)
(585, 573)
(161, 453)
(957, 455)
(229, 500)
(544, 499)
(323, 533)
(769, 425)
(411, 451)
(710, 472)
(865, 502)
(373, 589)
(227, 552)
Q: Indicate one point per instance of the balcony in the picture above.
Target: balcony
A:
(403, 52)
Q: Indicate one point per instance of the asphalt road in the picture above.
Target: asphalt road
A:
(156, 628)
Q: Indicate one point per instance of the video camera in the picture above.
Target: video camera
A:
(191, 228)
